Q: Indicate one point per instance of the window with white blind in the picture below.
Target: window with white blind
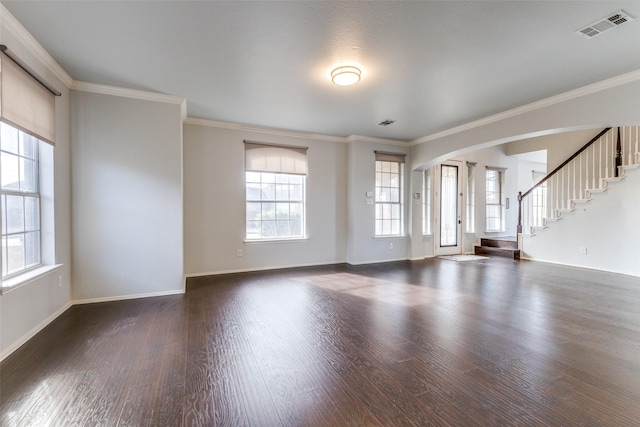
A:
(27, 130)
(388, 195)
(275, 191)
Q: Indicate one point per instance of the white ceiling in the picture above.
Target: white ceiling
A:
(429, 65)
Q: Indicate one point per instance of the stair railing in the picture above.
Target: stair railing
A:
(584, 171)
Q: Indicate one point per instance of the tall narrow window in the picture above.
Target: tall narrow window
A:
(27, 115)
(388, 196)
(538, 200)
(275, 191)
(426, 208)
(20, 201)
(471, 198)
(494, 199)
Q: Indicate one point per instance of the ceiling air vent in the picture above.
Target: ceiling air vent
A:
(605, 24)
(386, 123)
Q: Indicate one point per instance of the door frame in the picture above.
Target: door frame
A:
(437, 211)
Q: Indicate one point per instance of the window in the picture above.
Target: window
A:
(494, 197)
(388, 194)
(471, 198)
(27, 133)
(538, 200)
(275, 192)
(426, 211)
(20, 201)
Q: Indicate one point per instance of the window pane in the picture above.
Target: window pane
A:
(282, 211)
(253, 211)
(268, 191)
(282, 191)
(253, 229)
(10, 172)
(4, 256)
(254, 191)
(295, 192)
(15, 253)
(394, 167)
(29, 146)
(15, 214)
(4, 223)
(31, 213)
(282, 179)
(282, 228)
(268, 229)
(32, 248)
(253, 176)
(29, 175)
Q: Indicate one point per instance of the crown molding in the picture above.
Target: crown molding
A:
(132, 93)
(9, 23)
(289, 133)
(543, 103)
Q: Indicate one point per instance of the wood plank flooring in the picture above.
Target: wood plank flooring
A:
(434, 342)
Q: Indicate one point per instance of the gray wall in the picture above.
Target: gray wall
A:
(27, 309)
(215, 203)
(127, 197)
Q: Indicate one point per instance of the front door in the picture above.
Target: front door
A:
(448, 209)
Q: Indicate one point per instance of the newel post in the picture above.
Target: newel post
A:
(519, 229)
(618, 155)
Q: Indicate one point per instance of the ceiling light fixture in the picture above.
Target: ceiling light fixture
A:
(345, 76)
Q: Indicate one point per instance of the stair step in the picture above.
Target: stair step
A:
(579, 201)
(502, 252)
(568, 210)
(613, 179)
(552, 219)
(630, 167)
(539, 227)
(596, 190)
(503, 242)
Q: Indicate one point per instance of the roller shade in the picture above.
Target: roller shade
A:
(389, 157)
(275, 158)
(25, 103)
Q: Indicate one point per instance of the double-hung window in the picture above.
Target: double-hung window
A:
(20, 201)
(275, 191)
(494, 199)
(27, 124)
(388, 195)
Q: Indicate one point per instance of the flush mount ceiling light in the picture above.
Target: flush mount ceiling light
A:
(345, 76)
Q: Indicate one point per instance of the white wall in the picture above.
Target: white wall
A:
(363, 247)
(27, 309)
(607, 227)
(126, 197)
(215, 203)
(609, 103)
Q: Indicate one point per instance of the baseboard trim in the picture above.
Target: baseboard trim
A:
(26, 337)
(252, 270)
(126, 297)
(624, 273)
(380, 261)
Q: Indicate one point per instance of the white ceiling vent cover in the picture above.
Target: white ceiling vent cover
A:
(616, 19)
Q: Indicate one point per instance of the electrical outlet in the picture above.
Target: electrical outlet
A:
(239, 252)
(583, 251)
(390, 245)
(60, 281)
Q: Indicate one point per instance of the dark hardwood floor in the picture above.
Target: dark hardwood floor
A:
(433, 342)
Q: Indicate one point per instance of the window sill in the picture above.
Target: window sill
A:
(399, 236)
(13, 283)
(267, 241)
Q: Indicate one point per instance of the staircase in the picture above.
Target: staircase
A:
(603, 160)
(502, 246)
